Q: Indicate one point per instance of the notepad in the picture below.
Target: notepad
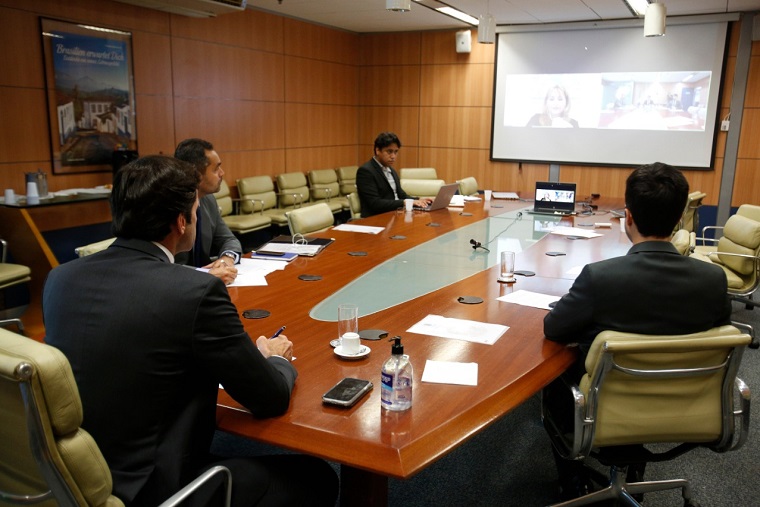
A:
(308, 247)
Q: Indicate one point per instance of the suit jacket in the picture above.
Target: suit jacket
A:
(149, 343)
(375, 193)
(651, 290)
(216, 237)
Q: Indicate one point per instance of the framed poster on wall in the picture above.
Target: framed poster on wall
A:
(90, 95)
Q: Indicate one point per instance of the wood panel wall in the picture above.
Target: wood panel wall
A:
(275, 94)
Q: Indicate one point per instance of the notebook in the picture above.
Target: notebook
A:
(442, 200)
(305, 246)
(554, 198)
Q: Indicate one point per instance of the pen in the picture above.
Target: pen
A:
(278, 332)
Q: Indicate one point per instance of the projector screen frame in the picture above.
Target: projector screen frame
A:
(709, 133)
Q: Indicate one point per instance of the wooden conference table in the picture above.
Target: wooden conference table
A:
(370, 443)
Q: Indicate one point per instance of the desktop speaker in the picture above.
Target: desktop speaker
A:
(464, 41)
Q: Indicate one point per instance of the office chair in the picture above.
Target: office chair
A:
(690, 217)
(89, 249)
(347, 179)
(11, 275)
(684, 241)
(737, 252)
(641, 389)
(239, 220)
(355, 205)
(47, 456)
(325, 188)
(257, 194)
(310, 219)
(468, 186)
(420, 181)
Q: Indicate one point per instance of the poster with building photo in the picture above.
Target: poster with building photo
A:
(90, 92)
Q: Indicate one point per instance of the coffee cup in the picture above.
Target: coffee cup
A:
(351, 343)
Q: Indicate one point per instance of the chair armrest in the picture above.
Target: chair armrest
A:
(568, 445)
(326, 190)
(189, 489)
(741, 415)
(297, 198)
(253, 204)
(4, 244)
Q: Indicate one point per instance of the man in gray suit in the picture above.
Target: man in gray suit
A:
(651, 290)
(214, 239)
(150, 341)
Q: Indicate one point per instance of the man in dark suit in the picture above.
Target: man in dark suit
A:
(651, 290)
(150, 341)
(214, 240)
(377, 182)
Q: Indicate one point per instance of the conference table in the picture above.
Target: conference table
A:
(420, 264)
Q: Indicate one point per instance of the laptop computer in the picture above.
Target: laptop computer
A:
(442, 200)
(554, 199)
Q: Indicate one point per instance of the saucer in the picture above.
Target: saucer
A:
(363, 352)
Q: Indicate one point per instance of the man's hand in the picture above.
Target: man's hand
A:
(424, 202)
(223, 268)
(279, 346)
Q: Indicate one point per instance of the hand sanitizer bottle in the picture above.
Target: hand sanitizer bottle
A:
(396, 379)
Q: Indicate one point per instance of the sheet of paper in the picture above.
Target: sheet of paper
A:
(290, 247)
(359, 228)
(575, 231)
(528, 298)
(457, 201)
(447, 372)
(505, 195)
(253, 272)
(459, 329)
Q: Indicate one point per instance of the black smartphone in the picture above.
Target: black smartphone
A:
(347, 392)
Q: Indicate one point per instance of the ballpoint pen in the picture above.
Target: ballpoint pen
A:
(278, 332)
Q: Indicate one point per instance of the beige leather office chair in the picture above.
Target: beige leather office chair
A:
(684, 241)
(737, 252)
(750, 211)
(642, 389)
(690, 217)
(12, 275)
(292, 190)
(355, 205)
(239, 220)
(468, 186)
(257, 194)
(347, 179)
(420, 181)
(83, 251)
(310, 219)
(46, 456)
(325, 188)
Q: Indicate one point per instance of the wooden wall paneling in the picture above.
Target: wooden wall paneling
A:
(752, 98)
(21, 68)
(309, 125)
(707, 182)
(605, 181)
(748, 172)
(248, 29)
(203, 69)
(453, 164)
(240, 164)
(307, 159)
(750, 133)
(458, 127)
(389, 85)
(390, 49)
(24, 133)
(457, 85)
(317, 42)
(439, 47)
(320, 82)
(231, 124)
(404, 121)
(152, 63)
(154, 118)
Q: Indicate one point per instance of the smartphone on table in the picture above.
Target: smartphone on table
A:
(347, 392)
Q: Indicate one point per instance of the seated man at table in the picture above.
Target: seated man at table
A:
(377, 182)
(651, 290)
(214, 238)
(150, 341)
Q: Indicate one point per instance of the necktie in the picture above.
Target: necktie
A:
(198, 247)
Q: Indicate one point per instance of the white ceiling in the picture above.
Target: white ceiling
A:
(367, 16)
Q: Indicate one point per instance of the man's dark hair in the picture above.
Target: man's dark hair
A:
(149, 193)
(385, 139)
(656, 195)
(193, 151)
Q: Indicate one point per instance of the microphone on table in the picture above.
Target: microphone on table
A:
(477, 244)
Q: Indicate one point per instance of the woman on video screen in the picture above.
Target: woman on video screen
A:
(556, 110)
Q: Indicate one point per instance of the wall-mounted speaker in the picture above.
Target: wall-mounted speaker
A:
(464, 41)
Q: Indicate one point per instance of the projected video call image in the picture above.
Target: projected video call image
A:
(555, 195)
(672, 101)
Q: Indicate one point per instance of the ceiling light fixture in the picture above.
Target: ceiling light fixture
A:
(398, 5)
(454, 13)
(654, 20)
(487, 29)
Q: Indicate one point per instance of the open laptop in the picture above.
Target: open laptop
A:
(442, 200)
(554, 199)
